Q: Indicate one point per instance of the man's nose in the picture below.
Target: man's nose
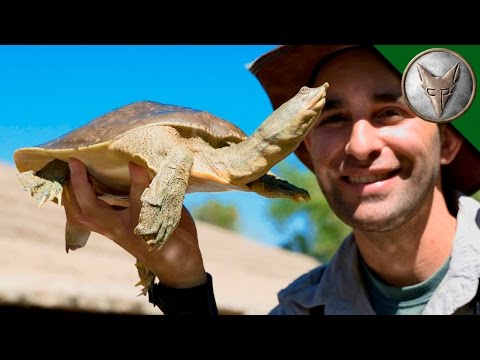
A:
(364, 141)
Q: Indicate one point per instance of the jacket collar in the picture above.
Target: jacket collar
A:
(460, 284)
(341, 290)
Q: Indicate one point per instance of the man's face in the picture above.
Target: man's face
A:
(376, 162)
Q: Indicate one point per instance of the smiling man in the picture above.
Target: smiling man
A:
(401, 183)
(415, 244)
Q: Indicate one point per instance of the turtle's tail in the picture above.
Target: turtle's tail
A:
(75, 237)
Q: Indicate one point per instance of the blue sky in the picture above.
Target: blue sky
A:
(47, 91)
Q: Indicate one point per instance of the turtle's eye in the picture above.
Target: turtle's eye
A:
(304, 89)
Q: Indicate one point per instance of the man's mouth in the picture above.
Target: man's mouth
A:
(370, 178)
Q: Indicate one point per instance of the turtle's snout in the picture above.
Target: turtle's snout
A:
(315, 97)
(323, 88)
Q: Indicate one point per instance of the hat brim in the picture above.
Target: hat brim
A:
(283, 70)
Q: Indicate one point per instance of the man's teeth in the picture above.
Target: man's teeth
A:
(367, 179)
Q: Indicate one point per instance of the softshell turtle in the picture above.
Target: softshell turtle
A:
(185, 150)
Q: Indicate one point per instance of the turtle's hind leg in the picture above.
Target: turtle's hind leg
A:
(147, 278)
(47, 183)
(271, 186)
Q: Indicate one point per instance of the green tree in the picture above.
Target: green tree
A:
(309, 227)
(477, 195)
(214, 212)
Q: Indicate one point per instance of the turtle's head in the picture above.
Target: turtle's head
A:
(310, 97)
(288, 125)
(307, 103)
(298, 114)
(278, 135)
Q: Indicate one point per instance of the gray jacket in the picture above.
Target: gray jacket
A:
(338, 286)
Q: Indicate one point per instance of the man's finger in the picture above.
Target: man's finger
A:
(86, 197)
(70, 204)
(72, 209)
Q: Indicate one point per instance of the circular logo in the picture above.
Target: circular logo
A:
(438, 85)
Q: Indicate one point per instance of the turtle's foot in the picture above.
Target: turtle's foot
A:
(147, 278)
(42, 190)
(47, 183)
(273, 187)
(162, 201)
(157, 222)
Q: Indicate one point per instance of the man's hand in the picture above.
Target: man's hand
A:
(178, 264)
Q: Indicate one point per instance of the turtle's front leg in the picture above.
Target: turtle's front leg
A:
(162, 201)
(47, 183)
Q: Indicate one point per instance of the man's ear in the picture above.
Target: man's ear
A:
(451, 142)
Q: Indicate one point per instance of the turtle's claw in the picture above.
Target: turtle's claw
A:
(41, 189)
(48, 190)
(42, 201)
(59, 197)
(147, 278)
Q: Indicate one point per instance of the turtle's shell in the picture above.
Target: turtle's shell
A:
(121, 120)
(108, 127)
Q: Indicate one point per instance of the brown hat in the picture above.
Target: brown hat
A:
(283, 70)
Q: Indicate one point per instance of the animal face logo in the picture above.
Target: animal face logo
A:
(438, 85)
(438, 88)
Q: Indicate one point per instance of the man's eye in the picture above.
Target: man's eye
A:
(391, 114)
(334, 119)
